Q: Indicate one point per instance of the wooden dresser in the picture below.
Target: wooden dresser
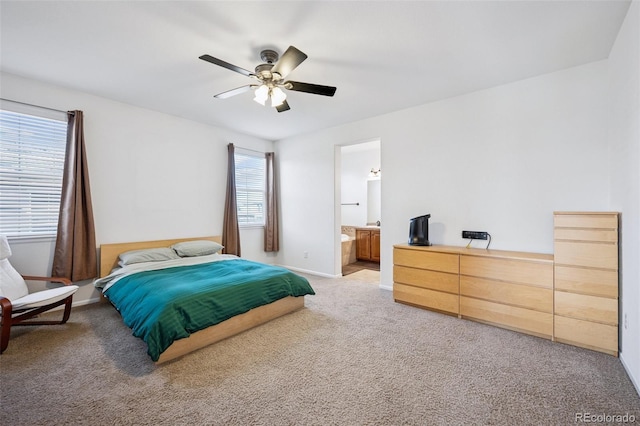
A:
(586, 280)
(570, 297)
(427, 277)
(508, 289)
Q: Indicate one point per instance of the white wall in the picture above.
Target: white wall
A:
(624, 139)
(307, 215)
(499, 160)
(355, 167)
(153, 176)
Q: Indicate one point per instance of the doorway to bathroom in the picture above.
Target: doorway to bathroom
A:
(360, 207)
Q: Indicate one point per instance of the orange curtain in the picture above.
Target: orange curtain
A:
(271, 242)
(75, 254)
(230, 228)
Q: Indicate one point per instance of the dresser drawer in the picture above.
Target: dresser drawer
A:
(426, 298)
(602, 221)
(586, 334)
(572, 234)
(526, 320)
(435, 261)
(590, 308)
(596, 282)
(524, 296)
(591, 255)
(511, 270)
(441, 281)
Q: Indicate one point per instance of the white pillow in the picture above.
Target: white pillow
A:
(196, 248)
(147, 255)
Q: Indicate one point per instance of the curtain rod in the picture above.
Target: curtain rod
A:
(247, 149)
(38, 106)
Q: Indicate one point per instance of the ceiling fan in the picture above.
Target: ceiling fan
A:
(271, 78)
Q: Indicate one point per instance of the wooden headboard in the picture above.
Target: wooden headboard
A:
(109, 252)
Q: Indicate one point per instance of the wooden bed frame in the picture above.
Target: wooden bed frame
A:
(109, 259)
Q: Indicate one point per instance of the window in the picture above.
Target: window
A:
(32, 151)
(250, 188)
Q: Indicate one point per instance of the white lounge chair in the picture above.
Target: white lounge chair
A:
(18, 305)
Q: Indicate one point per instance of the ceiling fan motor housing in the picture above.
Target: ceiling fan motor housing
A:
(263, 71)
(269, 56)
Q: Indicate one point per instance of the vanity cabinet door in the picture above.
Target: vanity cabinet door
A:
(368, 244)
(375, 246)
(363, 244)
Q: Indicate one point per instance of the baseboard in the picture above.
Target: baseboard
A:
(77, 304)
(636, 382)
(386, 287)
(85, 302)
(306, 271)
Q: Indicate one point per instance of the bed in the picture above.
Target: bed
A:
(205, 297)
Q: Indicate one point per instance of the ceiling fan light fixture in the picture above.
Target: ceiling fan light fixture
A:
(271, 77)
(261, 94)
(277, 97)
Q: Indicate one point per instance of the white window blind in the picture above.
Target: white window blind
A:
(250, 188)
(32, 151)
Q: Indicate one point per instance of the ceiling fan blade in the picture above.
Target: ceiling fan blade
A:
(236, 91)
(283, 107)
(291, 58)
(316, 89)
(226, 65)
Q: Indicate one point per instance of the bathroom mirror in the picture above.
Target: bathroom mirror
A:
(373, 201)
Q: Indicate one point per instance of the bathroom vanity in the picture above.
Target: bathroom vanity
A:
(368, 243)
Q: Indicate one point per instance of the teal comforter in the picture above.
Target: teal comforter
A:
(165, 305)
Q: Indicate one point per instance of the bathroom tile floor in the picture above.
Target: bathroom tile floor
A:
(359, 266)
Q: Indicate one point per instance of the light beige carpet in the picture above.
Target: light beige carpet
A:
(351, 357)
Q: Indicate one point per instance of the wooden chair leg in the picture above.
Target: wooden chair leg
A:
(67, 309)
(4, 338)
(5, 324)
(4, 335)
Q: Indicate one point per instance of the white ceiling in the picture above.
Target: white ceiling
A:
(382, 56)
